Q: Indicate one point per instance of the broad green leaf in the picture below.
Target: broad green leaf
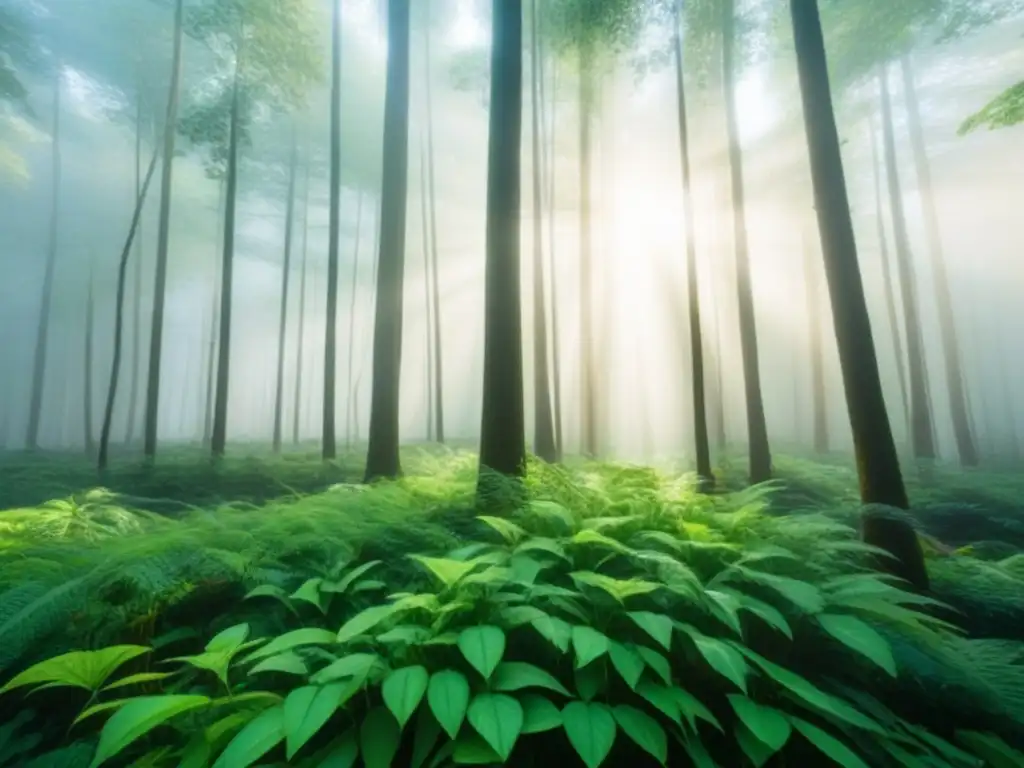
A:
(343, 753)
(860, 637)
(78, 669)
(992, 749)
(804, 596)
(356, 666)
(291, 640)
(510, 532)
(449, 572)
(137, 679)
(767, 613)
(257, 738)
(589, 644)
(448, 697)
(591, 730)
(552, 511)
(516, 675)
(288, 662)
(471, 749)
(767, 724)
(698, 753)
(832, 748)
(555, 631)
(498, 719)
(619, 589)
(379, 736)
(658, 663)
(229, 640)
(309, 592)
(722, 658)
(627, 663)
(525, 569)
(539, 714)
(403, 690)
(365, 620)
(427, 733)
(591, 681)
(588, 537)
(346, 581)
(724, 607)
(517, 615)
(661, 698)
(544, 545)
(306, 710)
(138, 717)
(274, 591)
(96, 709)
(483, 646)
(407, 634)
(757, 752)
(644, 730)
(657, 625)
(692, 708)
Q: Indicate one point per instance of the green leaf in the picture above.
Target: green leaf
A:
(698, 753)
(619, 589)
(357, 666)
(757, 752)
(96, 709)
(591, 730)
(229, 640)
(692, 708)
(516, 675)
(403, 690)
(860, 637)
(137, 679)
(288, 662)
(589, 644)
(307, 709)
(449, 572)
(661, 698)
(722, 658)
(257, 738)
(79, 669)
(364, 621)
(658, 663)
(766, 723)
(483, 646)
(407, 634)
(592, 538)
(555, 631)
(627, 663)
(832, 748)
(346, 581)
(656, 625)
(539, 714)
(470, 749)
(644, 730)
(138, 717)
(992, 749)
(767, 613)
(291, 640)
(343, 753)
(309, 592)
(543, 545)
(379, 736)
(517, 615)
(448, 697)
(498, 719)
(427, 733)
(509, 531)
(804, 596)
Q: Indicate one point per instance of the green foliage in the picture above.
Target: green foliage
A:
(1003, 111)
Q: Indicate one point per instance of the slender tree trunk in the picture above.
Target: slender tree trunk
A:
(218, 439)
(329, 448)
(544, 444)
(211, 352)
(702, 447)
(301, 343)
(156, 331)
(550, 171)
(349, 399)
(122, 269)
(374, 263)
(286, 271)
(133, 391)
(588, 395)
(426, 290)
(87, 389)
(502, 433)
(435, 280)
(757, 428)
(955, 385)
(382, 459)
(922, 433)
(816, 349)
(35, 408)
(888, 279)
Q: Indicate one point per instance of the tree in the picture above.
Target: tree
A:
(1005, 110)
(434, 277)
(87, 391)
(301, 336)
(349, 399)
(382, 459)
(502, 433)
(881, 481)
(817, 351)
(286, 270)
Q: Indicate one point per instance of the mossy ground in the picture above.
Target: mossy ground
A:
(169, 551)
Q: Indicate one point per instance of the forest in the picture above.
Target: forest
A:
(362, 360)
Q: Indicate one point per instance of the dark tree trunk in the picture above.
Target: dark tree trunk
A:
(156, 330)
(922, 434)
(211, 350)
(502, 433)
(544, 444)
(816, 349)
(349, 393)
(757, 429)
(702, 447)
(382, 460)
(329, 447)
(955, 385)
(300, 344)
(133, 389)
(550, 171)
(122, 269)
(435, 286)
(87, 389)
(218, 439)
(35, 408)
(286, 271)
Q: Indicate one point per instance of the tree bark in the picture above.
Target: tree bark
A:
(435, 287)
(87, 389)
(502, 433)
(286, 272)
(588, 395)
(550, 175)
(922, 436)
(428, 340)
(757, 428)
(350, 394)
(382, 460)
(156, 331)
(816, 349)
(300, 345)
(211, 351)
(133, 391)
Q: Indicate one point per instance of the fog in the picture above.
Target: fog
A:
(106, 55)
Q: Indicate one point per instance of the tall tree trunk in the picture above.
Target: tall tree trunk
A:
(888, 279)
(965, 444)
(816, 350)
(301, 342)
(122, 270)
(877, 463)
(211, 351)
(588, 394)
(550, 173)
(87, 389)
(286, 272)
(428, 340)
(133, 390)
(921, 428)
(374, 263)
(702, 447)
(156, 331)
(349, 399)
(329, 447)
(35, 408)
(757, 429)
(218, 439)
(435, 280)
(502, 433)
(382, 459)
(544, 444)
